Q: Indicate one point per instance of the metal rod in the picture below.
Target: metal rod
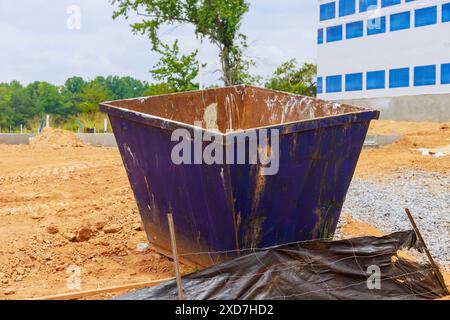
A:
(435, 267)
(175, 256)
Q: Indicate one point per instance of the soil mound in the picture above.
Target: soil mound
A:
(57, 138)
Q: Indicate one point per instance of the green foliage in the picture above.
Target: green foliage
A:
(289, 77)
(28, 105)
(93, 93)
(178, 72)
(218, 21)
(158, 89)
(78, 99)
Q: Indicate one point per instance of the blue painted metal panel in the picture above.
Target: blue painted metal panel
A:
(334, 33)
(365, 5)
(400, 21)
(425, 16)
(354, 29)
(424, 75)
(327, 11)
(399, 78)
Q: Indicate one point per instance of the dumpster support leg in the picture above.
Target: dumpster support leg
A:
(175, 256)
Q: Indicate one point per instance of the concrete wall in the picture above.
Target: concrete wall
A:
(434, 107)
(12, 138)
(98, 139)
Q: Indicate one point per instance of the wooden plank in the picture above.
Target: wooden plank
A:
(88, 293)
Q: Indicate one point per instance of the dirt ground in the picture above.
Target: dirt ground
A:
(65, 205)
(404, 154)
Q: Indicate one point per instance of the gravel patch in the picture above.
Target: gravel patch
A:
(381, 203)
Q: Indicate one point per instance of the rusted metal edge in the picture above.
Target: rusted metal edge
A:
(284, 128)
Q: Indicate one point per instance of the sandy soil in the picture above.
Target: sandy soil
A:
(50, 191)
(65, 204)
(389, 159)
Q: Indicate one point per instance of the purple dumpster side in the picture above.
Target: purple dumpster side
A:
(222, 210)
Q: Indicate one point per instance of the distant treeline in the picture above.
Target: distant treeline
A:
(26, 105)
(74, 105)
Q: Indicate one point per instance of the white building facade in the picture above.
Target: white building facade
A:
(379, 51)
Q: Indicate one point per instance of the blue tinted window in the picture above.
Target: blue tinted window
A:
(426, 16)
(334, 84)
(376, 26)
(354, 29)
(445, 73)
(346, 7)
(353, 82)
(446, 12)
(320, 36)
(327, 11)
(424, 75)
(334, 33)
(399, 78)
(400, 21)
(387, 3)
(376, 80)
(365, 5)
(319, 85)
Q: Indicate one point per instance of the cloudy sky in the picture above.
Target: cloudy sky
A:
(36, 44)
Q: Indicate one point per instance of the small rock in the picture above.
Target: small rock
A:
(138, 227)
(83, 234)
(70, 236)
(99, 242)
(37, 216)
(99, 225)
(52, 229)
(141, 247)
(9, 291)
(112, 229)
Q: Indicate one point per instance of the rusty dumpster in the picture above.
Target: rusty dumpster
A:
(238, 167)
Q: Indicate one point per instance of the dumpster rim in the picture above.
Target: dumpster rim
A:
(359, 115)
(171, 125)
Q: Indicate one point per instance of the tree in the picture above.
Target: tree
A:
(93, 93)
(178, 72)
(289, 77)
(75, 85)
(217, 20)
(124, 87)
(158, 89)
(6, 111)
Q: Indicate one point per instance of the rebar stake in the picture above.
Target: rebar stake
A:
(173, 241)
(435, 267)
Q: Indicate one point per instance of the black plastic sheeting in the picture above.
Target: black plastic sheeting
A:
(311, 270)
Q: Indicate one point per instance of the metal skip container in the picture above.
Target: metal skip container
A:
(238, 167)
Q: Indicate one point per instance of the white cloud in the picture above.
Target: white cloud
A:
(35, 43)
